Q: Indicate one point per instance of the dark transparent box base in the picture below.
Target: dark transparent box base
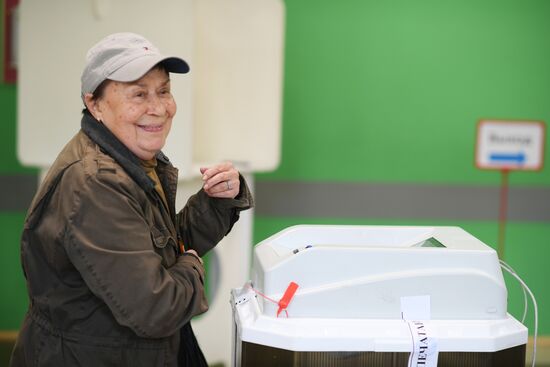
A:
(254, 355)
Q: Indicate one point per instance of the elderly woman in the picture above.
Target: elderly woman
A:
(114, 273)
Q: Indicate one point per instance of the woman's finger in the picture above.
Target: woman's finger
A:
(224, 189)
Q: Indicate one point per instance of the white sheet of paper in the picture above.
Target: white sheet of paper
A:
(415, 308)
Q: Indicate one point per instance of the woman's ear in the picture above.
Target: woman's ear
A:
(92, 105)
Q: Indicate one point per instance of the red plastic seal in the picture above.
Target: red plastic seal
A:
(287, 297)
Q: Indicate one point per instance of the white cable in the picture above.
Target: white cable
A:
(525, 301)
(525, 289)
(513, 273)
(525, 305)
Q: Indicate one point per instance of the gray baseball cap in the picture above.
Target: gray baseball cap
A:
(124, 57)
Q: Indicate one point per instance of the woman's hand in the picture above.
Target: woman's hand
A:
(221, 181)
(194, 253)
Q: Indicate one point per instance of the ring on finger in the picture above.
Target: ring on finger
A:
(228, 184)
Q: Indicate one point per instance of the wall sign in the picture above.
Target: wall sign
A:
(510, 145)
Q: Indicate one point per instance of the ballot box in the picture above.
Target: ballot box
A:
(375, 296)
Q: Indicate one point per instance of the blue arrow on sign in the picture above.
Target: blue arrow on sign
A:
(508, 157)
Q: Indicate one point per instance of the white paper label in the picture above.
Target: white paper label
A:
(425, 350)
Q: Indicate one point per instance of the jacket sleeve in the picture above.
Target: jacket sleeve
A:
(109, 241)
(204, 221)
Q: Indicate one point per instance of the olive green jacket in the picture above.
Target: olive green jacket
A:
(107, 283)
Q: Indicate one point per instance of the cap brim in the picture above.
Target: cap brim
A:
(137, 68)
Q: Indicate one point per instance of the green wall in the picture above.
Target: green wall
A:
(371, 86)
(12, 283)
(385, 91)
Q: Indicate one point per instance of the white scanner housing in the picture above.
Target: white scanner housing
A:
(363, 271)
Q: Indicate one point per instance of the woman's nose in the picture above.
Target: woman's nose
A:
(156, 105)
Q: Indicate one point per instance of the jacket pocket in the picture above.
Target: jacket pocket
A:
(165, 245)
(160, 237)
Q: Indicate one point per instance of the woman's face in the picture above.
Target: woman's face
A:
(138, 113)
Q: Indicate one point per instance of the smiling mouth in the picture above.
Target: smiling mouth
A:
(151, 128)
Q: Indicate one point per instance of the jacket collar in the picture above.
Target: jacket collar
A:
(103, 137)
